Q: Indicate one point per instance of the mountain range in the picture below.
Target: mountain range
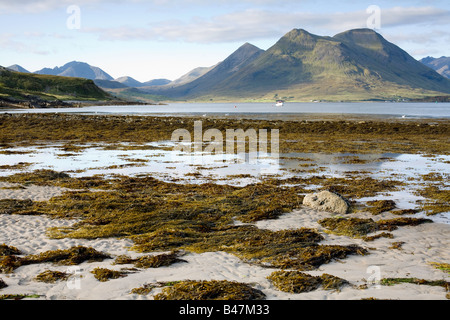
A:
(441, 65)
(78, 69)
(355, 65)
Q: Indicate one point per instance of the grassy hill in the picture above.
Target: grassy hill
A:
(21, 86)
(356, 65)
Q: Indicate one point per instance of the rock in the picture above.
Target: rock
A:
(326, 201)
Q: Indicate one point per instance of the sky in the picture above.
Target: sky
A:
(153, 39)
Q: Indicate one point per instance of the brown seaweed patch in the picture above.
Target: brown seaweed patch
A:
(15, 206)
(437, 200)
(37, 177)
(393, 224)
(441, 266)
(352, 227)
(18, 296)
(6, 250)
(17, 166)
(378, 236)
(154, 261)
(402, 212)
(357, 228)
(380, 206)
(298, 282)
(397, 245)
(2, 284)
(210, 290)
(104, 274)
(51, 276)
(312, 257)
(72, 256)
(148, 287)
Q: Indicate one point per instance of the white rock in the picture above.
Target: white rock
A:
(326, 201)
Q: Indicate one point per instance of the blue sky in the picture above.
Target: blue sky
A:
(149, 39)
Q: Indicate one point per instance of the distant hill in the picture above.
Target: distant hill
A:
(156, 82)
(25, 86)
(191, 75)
(129, 82)
(133, 83)
(210, 80)
(78, 70)
(441, 65)
(354, 65)
(108, 84)
(16, 67)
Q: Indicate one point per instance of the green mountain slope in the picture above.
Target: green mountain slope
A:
(20, 86)
(354, 65)
(212, 80)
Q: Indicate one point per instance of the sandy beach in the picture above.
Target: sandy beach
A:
(423, 244)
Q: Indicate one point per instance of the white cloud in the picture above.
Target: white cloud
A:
(8, 42)
(252, 24)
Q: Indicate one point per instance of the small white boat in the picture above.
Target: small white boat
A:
(279, 103)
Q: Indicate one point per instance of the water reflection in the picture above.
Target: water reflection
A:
(159, 160)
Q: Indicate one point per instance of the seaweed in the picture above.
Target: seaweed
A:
(104, 274)
(6, 250)
(210, 290)
(144, 290)
(377, 236)
(402, 212)
(2, 284)
(15, 206)
(42, 177)
(380, 206)
(18, 296)
(148, 287)
(162, 216)
(397, 245)
(72, 256)
(393, 224)
(299, 282)
(437, 200)
(441, 266)
(51, 276)
(359, 228)
(9, 263)
(152, 261)
(352, 227)
(394, 281)
(311, 257)
(418, 136)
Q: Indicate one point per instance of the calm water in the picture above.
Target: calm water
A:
(390, 109)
